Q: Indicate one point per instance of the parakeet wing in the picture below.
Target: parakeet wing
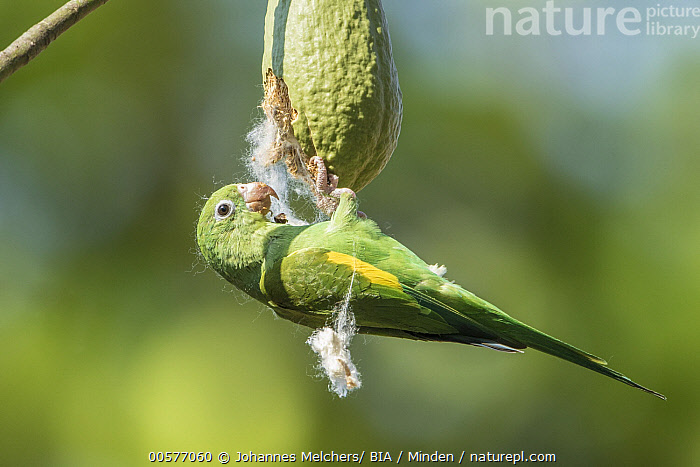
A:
(308, 284)
(317, 280)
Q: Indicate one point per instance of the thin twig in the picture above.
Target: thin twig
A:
(39, 36)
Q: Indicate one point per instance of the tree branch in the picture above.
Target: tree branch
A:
(39, 36)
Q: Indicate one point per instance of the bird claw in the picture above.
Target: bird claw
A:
(326, 188)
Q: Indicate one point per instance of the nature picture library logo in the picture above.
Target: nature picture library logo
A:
(554, 20)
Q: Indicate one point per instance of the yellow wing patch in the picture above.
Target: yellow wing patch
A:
(374, 274)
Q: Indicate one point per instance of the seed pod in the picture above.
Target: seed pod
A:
(334, 59)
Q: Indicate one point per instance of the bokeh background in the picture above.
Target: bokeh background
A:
(558, 177)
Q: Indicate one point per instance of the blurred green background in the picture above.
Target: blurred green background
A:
(558, 177)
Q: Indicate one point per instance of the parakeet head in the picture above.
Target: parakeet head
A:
(228, 221)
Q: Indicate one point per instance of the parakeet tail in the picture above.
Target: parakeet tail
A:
(483, 325)
(548, 344)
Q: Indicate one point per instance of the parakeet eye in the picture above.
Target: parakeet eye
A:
(224, 209)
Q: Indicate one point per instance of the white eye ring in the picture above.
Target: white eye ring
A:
(223, 209)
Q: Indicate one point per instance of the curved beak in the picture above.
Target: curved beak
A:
(257, 196)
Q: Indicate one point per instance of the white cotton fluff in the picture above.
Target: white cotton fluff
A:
(439, 270)
(261, 139)
(331, 345)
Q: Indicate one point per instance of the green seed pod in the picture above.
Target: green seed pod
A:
(335, 58)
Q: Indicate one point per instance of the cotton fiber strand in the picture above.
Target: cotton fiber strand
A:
(331, 345)
(275, 174)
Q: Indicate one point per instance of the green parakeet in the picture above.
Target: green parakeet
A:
(304, 272)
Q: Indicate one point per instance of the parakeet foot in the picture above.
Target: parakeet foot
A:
(326, 188)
